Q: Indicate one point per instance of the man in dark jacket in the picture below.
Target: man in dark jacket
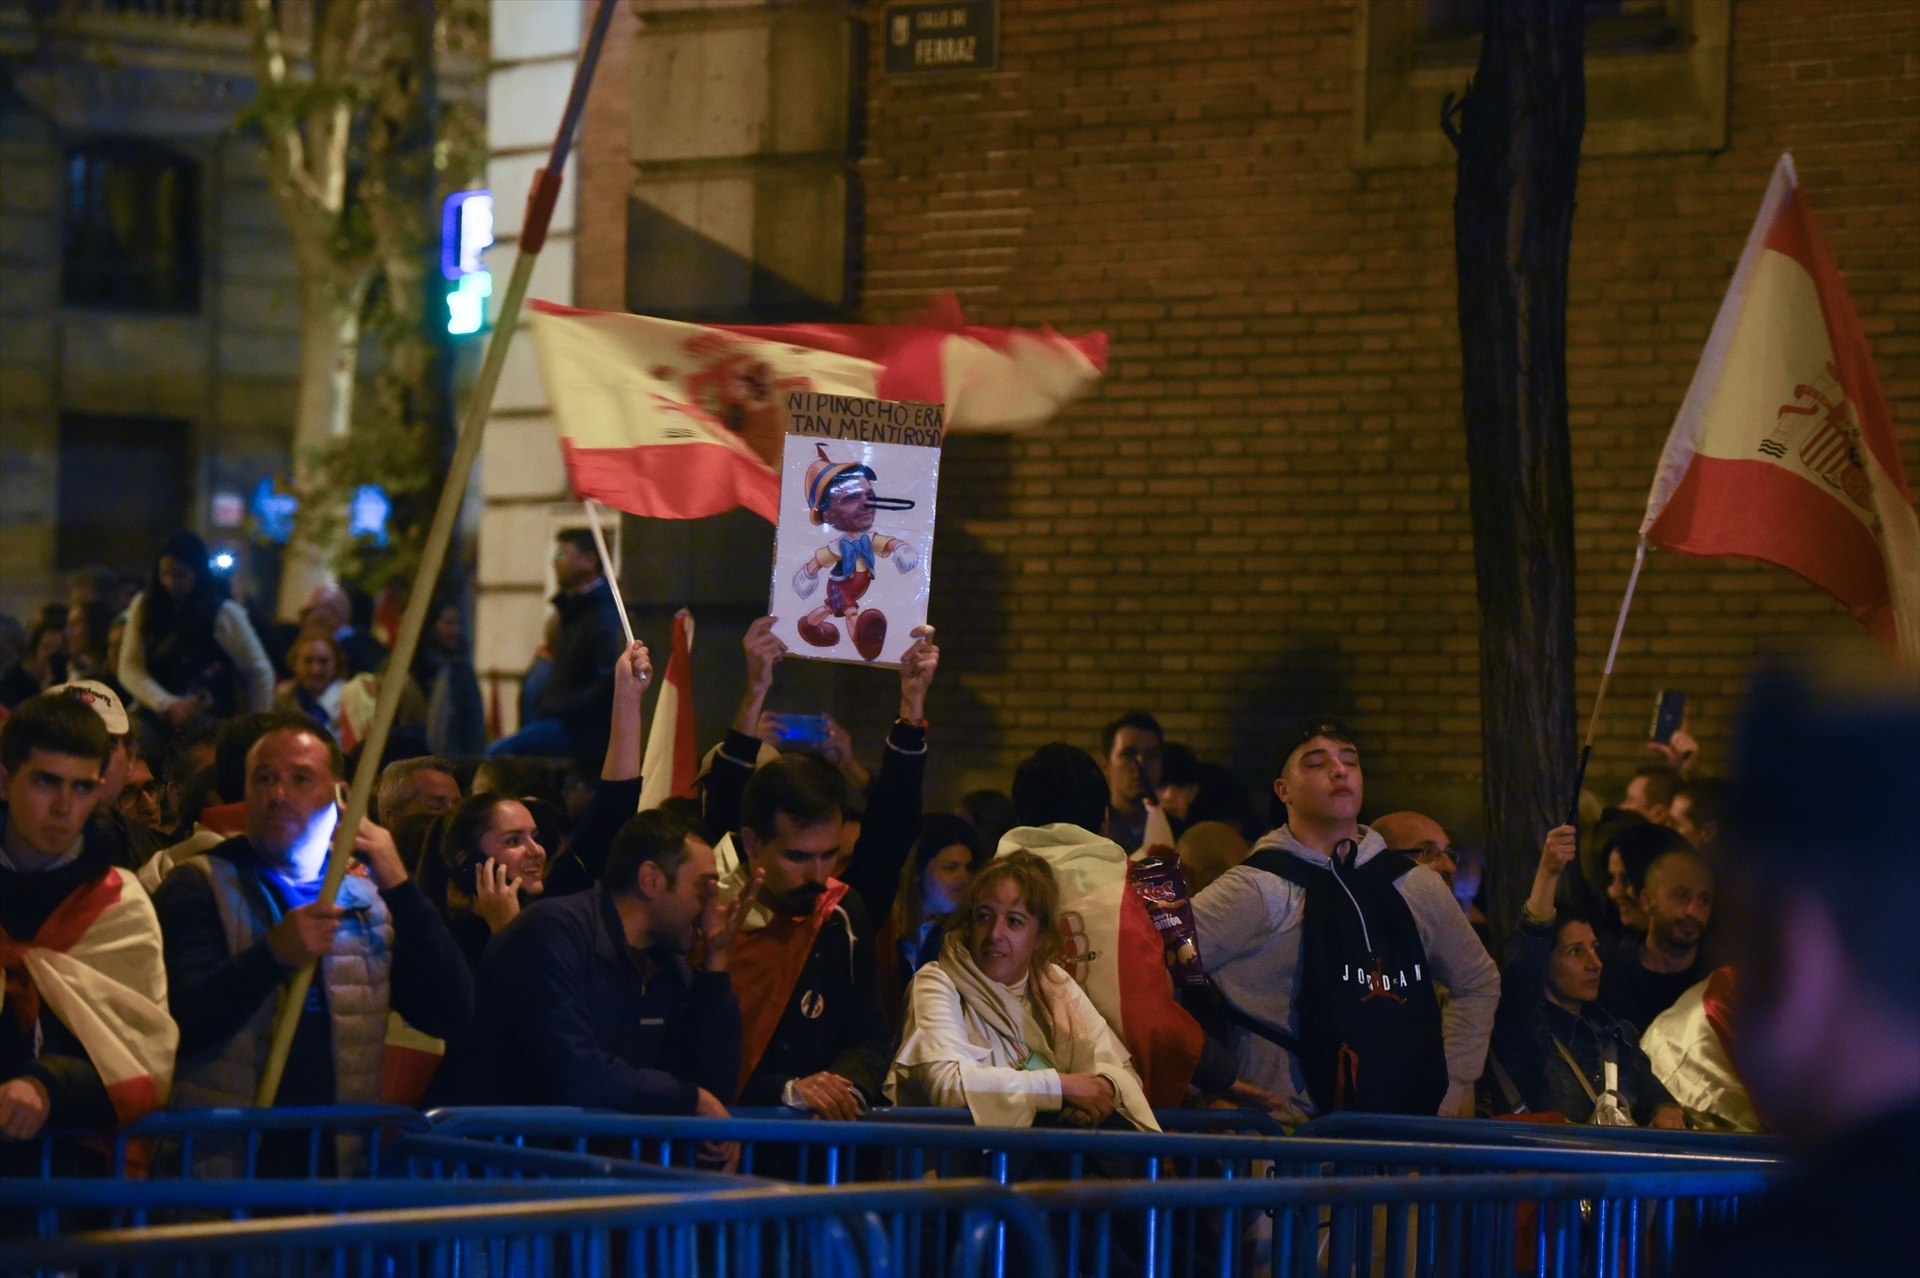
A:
(243, 916)
(875, 843)
(571, 714)
(813, 1035)
(590, 1000)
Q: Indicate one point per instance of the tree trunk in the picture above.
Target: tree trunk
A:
(329, 362)
(1518, 137)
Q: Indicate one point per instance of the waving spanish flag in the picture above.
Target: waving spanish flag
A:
(679, 421)
(1783, 450)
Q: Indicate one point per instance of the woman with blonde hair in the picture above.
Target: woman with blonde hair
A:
(996, 1025)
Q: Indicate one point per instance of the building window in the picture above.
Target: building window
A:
(132, 228)
(125, 486)
(1656, 76)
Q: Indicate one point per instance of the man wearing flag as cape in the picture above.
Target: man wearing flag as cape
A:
(85, 1036)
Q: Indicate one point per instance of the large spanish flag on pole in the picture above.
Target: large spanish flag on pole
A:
(679, 421)
(1783, 450)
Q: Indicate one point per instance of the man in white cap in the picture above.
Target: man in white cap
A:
(133, 843)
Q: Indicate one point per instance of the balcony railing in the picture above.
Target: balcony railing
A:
(221, 13)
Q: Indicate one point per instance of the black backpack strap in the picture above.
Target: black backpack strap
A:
(1391, 864)
(1281, 864)
(1285, 865)
(1254, 1025)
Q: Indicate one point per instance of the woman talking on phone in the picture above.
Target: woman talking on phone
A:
(484, 864)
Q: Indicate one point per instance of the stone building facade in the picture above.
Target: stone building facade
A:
(1264, 509)
(148, 312)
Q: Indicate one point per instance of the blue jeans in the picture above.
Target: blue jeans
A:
(540, 738)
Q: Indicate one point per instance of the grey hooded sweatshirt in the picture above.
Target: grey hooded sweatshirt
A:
(1248, 923)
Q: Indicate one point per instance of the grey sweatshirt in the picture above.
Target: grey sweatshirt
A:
(1249, 930)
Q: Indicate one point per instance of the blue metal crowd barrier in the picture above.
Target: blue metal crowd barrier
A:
(815, 1151)
(413, 1168)
(1554, 1226)
(962, 1228)
(1558, 1225)
(175, 1134)
(1485, 1131)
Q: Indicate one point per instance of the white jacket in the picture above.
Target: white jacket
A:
(949, 1056)
(1248, 922)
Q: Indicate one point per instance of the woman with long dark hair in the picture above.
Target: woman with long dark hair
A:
(189, 650)
(443, 669)
(481, 864)
(932, 880)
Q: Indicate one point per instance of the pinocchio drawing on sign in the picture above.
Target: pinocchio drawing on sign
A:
(852, 553)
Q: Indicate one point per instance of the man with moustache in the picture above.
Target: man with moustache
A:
(813, 1033)
(239, 919)
(1326, 948)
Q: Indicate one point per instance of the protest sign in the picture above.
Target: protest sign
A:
(853, 550)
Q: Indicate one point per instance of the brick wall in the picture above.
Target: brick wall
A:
(1264, 510)
(1266, 505)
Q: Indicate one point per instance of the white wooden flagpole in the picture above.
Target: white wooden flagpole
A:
(1606, 677)
(540, 202)
(606, 567)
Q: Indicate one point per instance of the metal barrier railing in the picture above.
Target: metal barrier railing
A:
(174, 1138)
(1484, 1131)
(813, 1151)
(962, 1228)
(419, 1169)
(1555, 1225)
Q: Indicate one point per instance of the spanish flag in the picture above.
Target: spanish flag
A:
(1783, 450)
(1110, 945)
(679, 421)
(96, 964)
(672, 759)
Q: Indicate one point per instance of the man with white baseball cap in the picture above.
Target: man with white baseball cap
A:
(133, 843)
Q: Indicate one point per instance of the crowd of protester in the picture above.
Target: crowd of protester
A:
(803, 932)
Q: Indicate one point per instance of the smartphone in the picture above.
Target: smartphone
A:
(797, 729)
(1669, 708)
